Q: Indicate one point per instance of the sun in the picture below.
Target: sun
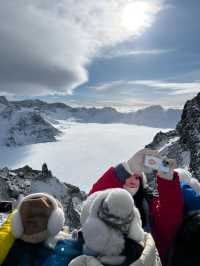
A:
(137, 15)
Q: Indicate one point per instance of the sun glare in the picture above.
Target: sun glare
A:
(137, 15)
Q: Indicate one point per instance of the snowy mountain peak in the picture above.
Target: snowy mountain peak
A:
(20, 127)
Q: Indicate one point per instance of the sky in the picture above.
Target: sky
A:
(120, 53)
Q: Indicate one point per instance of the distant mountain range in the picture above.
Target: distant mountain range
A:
(33, 121)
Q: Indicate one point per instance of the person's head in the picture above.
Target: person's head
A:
(136, 186)
(37, 217)
(132, 184)
(108, 215)
(137, 178)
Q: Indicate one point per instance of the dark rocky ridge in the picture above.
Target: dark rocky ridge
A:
(183, 143)
(25, 180)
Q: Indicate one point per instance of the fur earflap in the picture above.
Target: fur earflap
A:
(16, 225)
(92, 202)
(56, 221)
(136, 231)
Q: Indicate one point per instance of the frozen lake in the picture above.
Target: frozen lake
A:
(83, 152)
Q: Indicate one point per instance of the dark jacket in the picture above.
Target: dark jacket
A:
(26, 254)
(185, 249)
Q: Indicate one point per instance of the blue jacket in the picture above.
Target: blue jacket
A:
(191, 198)
(26, 254)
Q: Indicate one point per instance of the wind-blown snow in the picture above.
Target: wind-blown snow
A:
(83, 152)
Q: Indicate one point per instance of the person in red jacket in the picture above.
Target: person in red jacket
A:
(161, 214)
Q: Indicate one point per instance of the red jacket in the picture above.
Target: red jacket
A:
(166, 210)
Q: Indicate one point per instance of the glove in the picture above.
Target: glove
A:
(170, 174)
(135, 165)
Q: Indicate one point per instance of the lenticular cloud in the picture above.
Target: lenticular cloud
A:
(46, 45)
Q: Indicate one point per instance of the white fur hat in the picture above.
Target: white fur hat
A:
(98, 235)
(55, 220)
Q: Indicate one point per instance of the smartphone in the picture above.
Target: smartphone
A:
(156, 163)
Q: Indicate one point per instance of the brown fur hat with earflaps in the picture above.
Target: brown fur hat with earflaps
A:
(37, 217)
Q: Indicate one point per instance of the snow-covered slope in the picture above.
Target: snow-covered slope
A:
(21, 126)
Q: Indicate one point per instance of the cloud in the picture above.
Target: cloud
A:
(46, 45)
(127, 52)
(171, 88)
(144, 91)
(108, 85)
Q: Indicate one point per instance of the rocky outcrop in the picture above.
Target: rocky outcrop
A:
(189, 131)
(25, 180)
(183, 143)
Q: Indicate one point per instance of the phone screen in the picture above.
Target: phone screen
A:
(156, 163)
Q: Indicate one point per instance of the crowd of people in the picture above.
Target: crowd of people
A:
(123, 222)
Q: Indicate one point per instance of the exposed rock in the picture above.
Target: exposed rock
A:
(184, 142)
(3, 100)
(25, 180)
(45, 171)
